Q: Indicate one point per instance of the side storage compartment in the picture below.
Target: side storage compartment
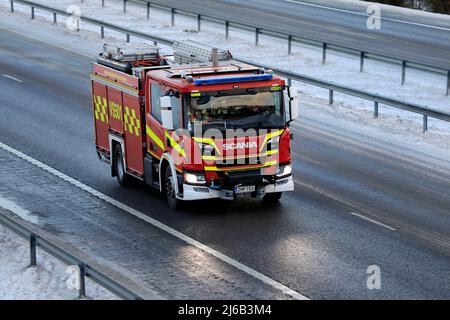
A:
(101, 116)
(134, 135)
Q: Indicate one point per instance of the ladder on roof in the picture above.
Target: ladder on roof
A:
(196, 52)
(130, 52)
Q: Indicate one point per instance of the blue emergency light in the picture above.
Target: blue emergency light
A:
(258, 77)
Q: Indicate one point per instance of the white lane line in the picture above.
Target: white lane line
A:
(341, 200)
(269, 281)
(366, 15)
(12, 78)
(373, 221)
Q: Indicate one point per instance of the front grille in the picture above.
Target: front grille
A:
(239, 162)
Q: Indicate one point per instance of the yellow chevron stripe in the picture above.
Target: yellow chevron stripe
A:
(270, 136)
(175, 144)
(155, 138)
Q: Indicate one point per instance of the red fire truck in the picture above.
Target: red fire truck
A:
(198, 125)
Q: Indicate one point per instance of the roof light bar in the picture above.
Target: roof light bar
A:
(259, 77)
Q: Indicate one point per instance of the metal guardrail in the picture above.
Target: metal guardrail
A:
(86, 270)
(290, 76)
(325, 46)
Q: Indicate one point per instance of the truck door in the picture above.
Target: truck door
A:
(155, 131)
(133, 133)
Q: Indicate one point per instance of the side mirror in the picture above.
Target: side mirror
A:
(166, 113)
(294, 104)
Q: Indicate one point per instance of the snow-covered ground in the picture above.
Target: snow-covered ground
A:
(46, 281)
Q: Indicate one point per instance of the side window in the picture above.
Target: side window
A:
(176, 111)
(155, 110)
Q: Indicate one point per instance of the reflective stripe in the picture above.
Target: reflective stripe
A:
(155, 138)
(175, 144)
(207, 141)
(101, 109)
(132, 123)
(267, 164)
(268, 153)
(270, 136)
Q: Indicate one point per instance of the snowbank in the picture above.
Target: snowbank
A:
(46, 281)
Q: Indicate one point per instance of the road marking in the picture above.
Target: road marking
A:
(367, 15)
(341, 200)
(373, 221)
(269, 281)
(12, 78)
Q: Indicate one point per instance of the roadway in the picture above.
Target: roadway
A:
(358, 201)
(410, 36)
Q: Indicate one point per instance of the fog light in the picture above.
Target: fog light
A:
(284, 171)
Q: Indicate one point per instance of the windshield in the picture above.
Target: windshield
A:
(249, 110)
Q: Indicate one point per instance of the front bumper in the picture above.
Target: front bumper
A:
(191, 192)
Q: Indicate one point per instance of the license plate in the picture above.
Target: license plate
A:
(244, 189)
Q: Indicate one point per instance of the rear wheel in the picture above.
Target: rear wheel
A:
(272, 197)
(170, 191)
(119, 167)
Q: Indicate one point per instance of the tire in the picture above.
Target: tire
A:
(272, 197)
(169, 190)
(122, 177)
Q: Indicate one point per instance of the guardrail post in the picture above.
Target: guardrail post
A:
(12, 6)
(78, 23)
(128, 38)
(82, 291)
(32, 13)
(448, 83)
(32, 250)
(172, 13)
(375, 109)
(324, 53)
(124, 6)
(425, 123)
(331, 97)
(199, 22)
(256, 37)
(54, 18)
(148, 10)
(102, 32)
(403, 72)
(289, 44)
(227, 29)
(361, 64)
(103, 3)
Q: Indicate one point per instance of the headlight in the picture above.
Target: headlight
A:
(194, 178)
(283, 171)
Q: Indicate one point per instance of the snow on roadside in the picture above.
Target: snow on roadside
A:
(421, 87)
(46, 281)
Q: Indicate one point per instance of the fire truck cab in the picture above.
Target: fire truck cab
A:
(198, 125)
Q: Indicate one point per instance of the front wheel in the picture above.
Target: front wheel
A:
(272, 197)
(119, 167)
(170, 191)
